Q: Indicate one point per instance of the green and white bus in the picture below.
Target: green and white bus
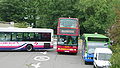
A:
(92, 41)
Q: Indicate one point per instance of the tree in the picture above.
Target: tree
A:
(6, 10)
(54, 9)
(114, 34)
(114, 31)
(95, 15)
(115, 61)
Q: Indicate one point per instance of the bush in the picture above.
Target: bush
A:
(115, 60)
(21, 25)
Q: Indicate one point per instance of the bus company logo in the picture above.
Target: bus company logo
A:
(7, 43)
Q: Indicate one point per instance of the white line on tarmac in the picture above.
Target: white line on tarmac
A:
(36, 65)
(44, 52)
(41, 58)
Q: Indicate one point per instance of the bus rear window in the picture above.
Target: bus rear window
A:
(98, 39)
(72, 23)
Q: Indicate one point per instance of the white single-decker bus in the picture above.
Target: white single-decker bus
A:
(25, 38)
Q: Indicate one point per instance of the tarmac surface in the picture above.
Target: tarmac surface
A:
(41, 59)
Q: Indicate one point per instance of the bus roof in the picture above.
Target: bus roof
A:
(95, 35)
(25, 30)
(67, 18)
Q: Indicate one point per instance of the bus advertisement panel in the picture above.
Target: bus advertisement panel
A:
(25, 39)
(68, 32)
(90, 42)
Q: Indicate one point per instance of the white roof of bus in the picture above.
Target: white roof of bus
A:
(103, 50)
(25, 30)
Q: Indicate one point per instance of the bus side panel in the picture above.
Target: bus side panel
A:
(11, 45)
(21, 45)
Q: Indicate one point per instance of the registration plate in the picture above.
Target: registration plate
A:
(66, 51)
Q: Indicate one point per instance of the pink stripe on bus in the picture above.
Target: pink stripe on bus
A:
(41, 46)
(9, 46)
(37, 46)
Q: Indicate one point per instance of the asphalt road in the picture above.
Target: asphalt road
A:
(41, 59)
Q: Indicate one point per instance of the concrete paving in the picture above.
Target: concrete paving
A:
(2, 25)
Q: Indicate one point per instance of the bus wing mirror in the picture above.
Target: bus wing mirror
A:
(95, 58)
(106, 44)
(111, 42)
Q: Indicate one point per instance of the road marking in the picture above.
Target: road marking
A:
(44, 52)
(41, 58)
(36, 65)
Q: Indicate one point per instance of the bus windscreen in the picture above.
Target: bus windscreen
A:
(98, 39)
(72, 23)
(67, 40)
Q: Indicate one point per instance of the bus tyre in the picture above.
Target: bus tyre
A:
(94, 66)
(58, 52)
(75, 53)
(29, 47)
(86, 63)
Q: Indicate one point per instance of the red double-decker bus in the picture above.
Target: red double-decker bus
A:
(67, 32)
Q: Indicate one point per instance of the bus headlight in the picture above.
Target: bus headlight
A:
(89, 57)
(71, 49)
(75, 49)
(58, 48)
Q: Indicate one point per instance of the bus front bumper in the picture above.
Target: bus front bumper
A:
(88, 60)
(68, 51)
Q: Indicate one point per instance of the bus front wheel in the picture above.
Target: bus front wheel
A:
(86, 63)
(75, 53)
(29, 47)
(94, 66)
(59, 52)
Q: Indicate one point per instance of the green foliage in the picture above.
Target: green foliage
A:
(21, 25)
(115, 61)
(114, 31)
(10, 10)
(95, 15)
(43, 13)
